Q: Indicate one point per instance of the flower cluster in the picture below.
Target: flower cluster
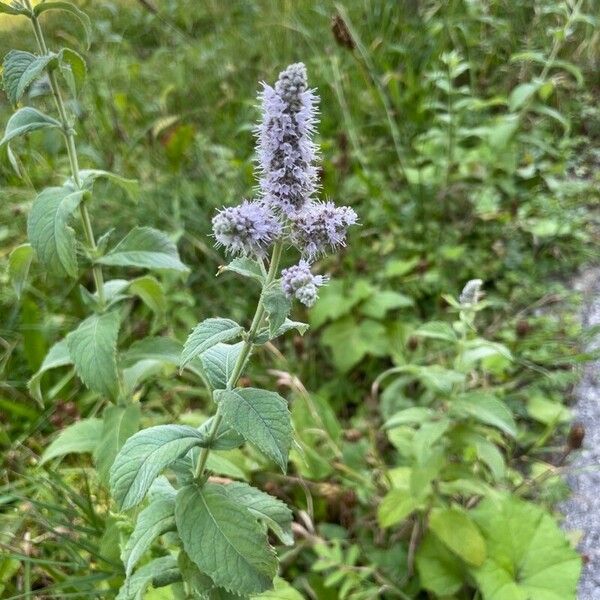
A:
(471, 292)
(298, 281)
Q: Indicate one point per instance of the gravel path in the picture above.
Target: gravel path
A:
(582, 510)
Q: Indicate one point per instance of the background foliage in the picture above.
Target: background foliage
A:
(465, 135)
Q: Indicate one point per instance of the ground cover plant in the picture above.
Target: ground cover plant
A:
(429, 414)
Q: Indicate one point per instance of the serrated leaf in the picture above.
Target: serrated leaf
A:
(57, 356)
(288, 325)
(147, 248)
(49, 231)
(222, 541)
(26, 120)
(272, 511)
(89, 176)
(19, 262)
(262, 417)
(218, 363)
(413, 415)
(486, 408)
(246, 267)
(277, 306)
(437, 330)
(82, 436)
(70, 8)
(144, 456)
(207, 334)
(14, 66)
(73, 68)
(150, 291)
(93, 349)
(155, 520)
(441, 572)
(158, 572)
(119, 424)
(153, 348)
(225, 438)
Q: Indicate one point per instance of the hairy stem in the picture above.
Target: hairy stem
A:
(69, 134)
(243, 357)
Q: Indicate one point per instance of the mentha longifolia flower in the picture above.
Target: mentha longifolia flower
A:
(298, 281)
(321, 227)
(286, 153)
(471, 292)
(248, 228)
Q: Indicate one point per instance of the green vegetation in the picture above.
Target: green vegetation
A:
(429, 424)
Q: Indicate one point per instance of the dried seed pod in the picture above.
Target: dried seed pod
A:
(341, 33)
(576, 436)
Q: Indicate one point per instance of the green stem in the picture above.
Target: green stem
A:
(243, 357)
(69, 134)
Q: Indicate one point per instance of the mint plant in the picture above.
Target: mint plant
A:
(221, 527)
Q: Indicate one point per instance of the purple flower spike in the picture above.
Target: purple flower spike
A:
(298, 281)
(321, 227)
(286, 153)
(249, 228)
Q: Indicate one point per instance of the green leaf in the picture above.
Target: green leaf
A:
(49, 231)
(19, 262)
(20, 69)
(440, 571)
(282, 590)
(218, 363)
(153, 348)
(150, 291)
(521, 94)
(120, 423)
(26, 120)
(246, 267)
(12, 9)
(380, 303)
(277, 306)
(158, 572)
(486, 408)
(146, 248)
(155, 520)
(93, 349)
(272, 511)
(144, 456)
(226, 438)
(265, 335)
(82, 436)
(73, 68)
(528, 556)
(207, 334)
(263, 419)
(89, 176)
(459, 533)
(58, 356)
(437, 330)
(70, 8)
(222, 541)
(395, 507)
(413, 415)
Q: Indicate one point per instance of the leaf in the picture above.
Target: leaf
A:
(246, 267)
(218, 362)
(378, 305)
(70, 8)
(282, 590)
(440, 571)
(265, 335)
(395, 507)
(272, 511)
(93, 349)
(486, 408)
(144, 456)
(78, 438)
(151, 293)
(73, 68)
(222, 541)
(19, 262)
(160, 571)
(262, 417)
(12, 9)
(277, 306)
(521, 94)
(153, 348)
(413, 415)
(226, 438)
(155, 520)
(119, 424)
(528, 555)
(20, 69)
(26, 120)
(459, 533)
(437, 330)
(147, 248)
(206, 334)
(58, 356)
(89, 176)
(49, 232)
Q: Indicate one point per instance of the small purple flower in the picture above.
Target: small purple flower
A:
(249, 228)
(321, 227)
(286, 153)
(298, 281)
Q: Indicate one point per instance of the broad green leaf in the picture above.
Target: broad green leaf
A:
(144, 456)
(439, 379)
(378, 305)
(70, 8)
(155, 520)
(437, 330)
(20, 69)
(412, 415)
(207, 334)
(218, 362)
(486, 408)
(263, 419)
(58, 356)
(89, 176)
(282, 590)
(12, 9)
(395, 507)
(158, 572)
(146, 248)
(546, 411)
(155, 348)
(246, 267)
(521, 94)
(73, 68)
(272, 511)
(528, 556)
(288, 325)
(222, 465)
(19, 262)
(119, 424)
(150, 291)
(82, 436)
(225, 438)
(222, 541)
(93, 349)
(49, 231)
(26, 120)
(458, 532)
(440, 571)
(277, 306)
